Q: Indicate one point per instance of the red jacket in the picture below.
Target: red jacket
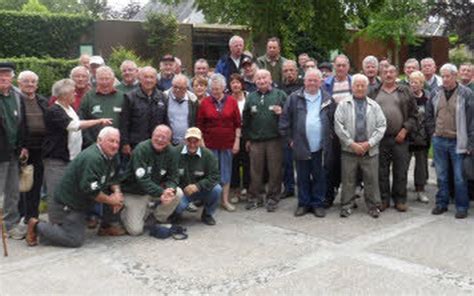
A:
(218, 128)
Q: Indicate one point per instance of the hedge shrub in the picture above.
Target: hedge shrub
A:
(41, 34)
(120, 54)
(49, 70)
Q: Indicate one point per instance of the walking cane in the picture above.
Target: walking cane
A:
(4, 234)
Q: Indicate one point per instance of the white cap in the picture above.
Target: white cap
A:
(98, 60)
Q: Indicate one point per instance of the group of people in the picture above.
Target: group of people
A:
(142, 151)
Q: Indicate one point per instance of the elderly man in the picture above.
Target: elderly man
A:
(201, 68)
(466, 75)
(306, 123)
(249, 69)
(85, 60)
(360, 125)
(400, 110)
(260, 128)
(89, 178)
(129, 76)
(291, 82)
(12, 137)
(151, 183)
(95, 63)
(165, 77)
(339, 87)
(198, 175)
(80, 75)
(411, 65)
(232, 63)
(370, 67)
(143, 109)
(449, 116)
(182, 108)
(273, 61)
(310, 64)
(35, 107)
(302, 59)
(102, 102)
(428, 68)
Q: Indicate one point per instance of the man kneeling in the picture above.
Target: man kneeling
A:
(151, 184)
(88, 179)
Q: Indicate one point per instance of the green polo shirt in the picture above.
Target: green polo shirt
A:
(9, 113)
(150, 172)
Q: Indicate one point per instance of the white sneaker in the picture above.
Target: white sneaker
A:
(18, 232)
(421, 197)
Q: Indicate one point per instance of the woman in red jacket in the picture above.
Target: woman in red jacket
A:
(219, 120)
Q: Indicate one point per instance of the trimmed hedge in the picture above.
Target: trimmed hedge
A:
(49, 70)
(42, 34)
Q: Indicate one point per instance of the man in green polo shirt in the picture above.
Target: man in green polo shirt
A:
(89, 178)
(129, 76)
(12, 134)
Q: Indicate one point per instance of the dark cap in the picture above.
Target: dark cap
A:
(246, 60)
(325, 65)
(7, 66)
(167, 58)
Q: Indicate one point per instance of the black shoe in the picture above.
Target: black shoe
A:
(319, 212)
(271, 205)
(252, 205)
(374, 212)
(287, 194)
(301, 211)
(328, 204)
(438, 211)
(208, 220)
(345, 213)
(460, 214)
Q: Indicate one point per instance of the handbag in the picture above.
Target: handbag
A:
(26, 176)
(468, 167)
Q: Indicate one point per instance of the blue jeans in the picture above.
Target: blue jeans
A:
(209, 198)
(445, 149)
(311, 178)
(288, 171)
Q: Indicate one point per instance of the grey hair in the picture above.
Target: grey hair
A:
(370, 59)
(342, 56)
(134, 65)
(201, 61)
(104, 69)
(449, 67)
(427, 60)
(23, 74)
(412, 61)
(145, 69)
(78, 68)
(313, 71)
(235, 38)
(360, 77)
(107, 131)
(63, 87)
(217, 78)
(290, 62)
(180, 77)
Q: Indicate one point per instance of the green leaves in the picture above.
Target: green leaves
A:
(163, 32)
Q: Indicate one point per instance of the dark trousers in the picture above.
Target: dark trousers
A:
(241, 159)
(288, 169)
(420, 173)
(311, 177)
(334, 174)
(29, 201)
(393, 156)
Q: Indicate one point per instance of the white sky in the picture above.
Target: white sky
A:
(117, 4)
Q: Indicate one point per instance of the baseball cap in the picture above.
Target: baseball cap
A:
(7, 66)
(98, 60)
(193, 132)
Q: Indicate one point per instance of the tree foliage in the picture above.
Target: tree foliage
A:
(121, 54)
(94, 8)
(34, 6)
(163, 33)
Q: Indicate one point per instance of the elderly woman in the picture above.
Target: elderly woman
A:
(35, 107)
(200, 87)
(241, 159)
(219, 120)
(419, 140)
(81, 76)
(63, 139)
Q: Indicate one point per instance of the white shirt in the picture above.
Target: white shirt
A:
(74, 133)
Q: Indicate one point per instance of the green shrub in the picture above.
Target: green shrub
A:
(41, 34)
(49, 70)
(121, 54)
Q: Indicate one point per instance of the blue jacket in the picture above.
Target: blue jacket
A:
(226, 66)
(329, 84)
(292, 124)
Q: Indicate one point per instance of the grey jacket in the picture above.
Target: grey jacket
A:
(344, 124)
(464, 117)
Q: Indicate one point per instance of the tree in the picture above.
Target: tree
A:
(96, 8)
(131, 10)
(396, 22)
(163, 33)
(34, 6)
(459, 18)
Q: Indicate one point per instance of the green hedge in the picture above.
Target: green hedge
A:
(41, 35)
(49, 70)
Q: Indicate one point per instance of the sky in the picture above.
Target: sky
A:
(117, 4)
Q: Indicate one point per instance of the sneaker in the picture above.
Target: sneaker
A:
(271, 205)
(228, 207)
(345, 213)
(374, 212)
(112, 231)
(252, 205)
(421, 197)
(319, 212)
(460, 214)
(234, 199)
(31, 235)
(18, 231)
(191, 207)
(208, 220)
(438, 210)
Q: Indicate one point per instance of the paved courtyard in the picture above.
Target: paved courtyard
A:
(260, 253)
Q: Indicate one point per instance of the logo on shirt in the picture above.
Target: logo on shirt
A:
(94, 185)
(253, 109)
(181, 171)
(163, 172)
(117, 109)
(140, 172)
(96, 109)
(199, 173)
